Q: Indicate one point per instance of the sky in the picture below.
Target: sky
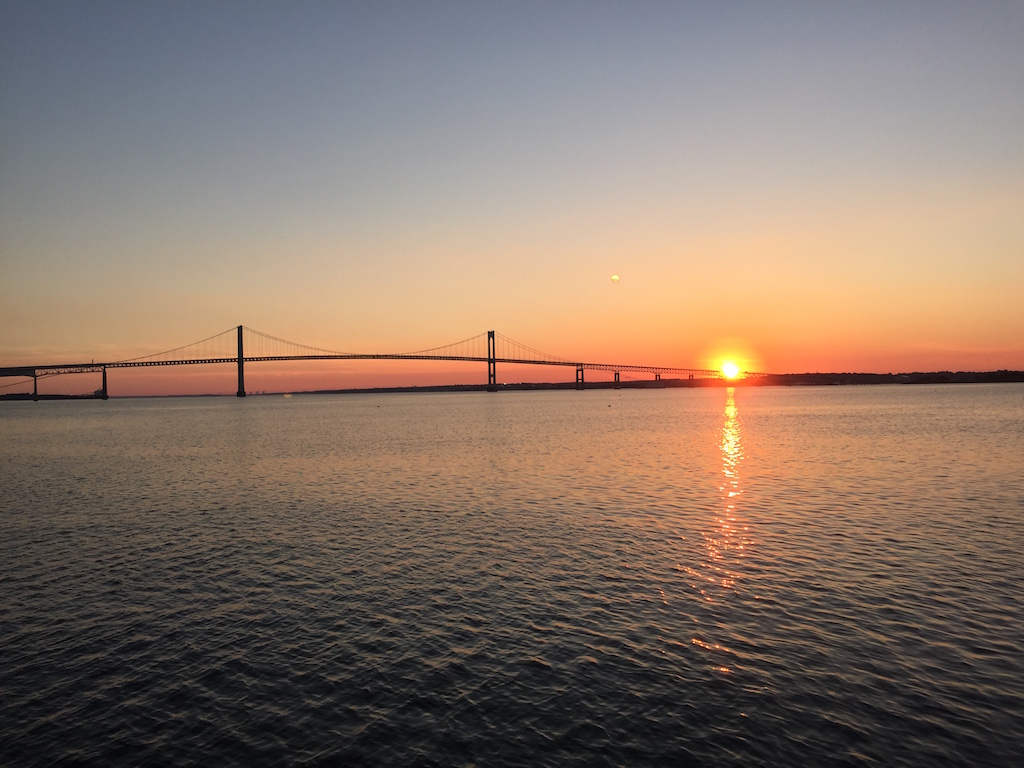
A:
(797, 186)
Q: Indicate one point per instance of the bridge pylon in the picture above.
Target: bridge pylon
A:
(492, 366)
(241, 366)
(579, 376)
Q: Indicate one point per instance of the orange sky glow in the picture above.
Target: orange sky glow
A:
(836, 190)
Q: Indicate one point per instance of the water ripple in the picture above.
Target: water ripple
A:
(686, 578)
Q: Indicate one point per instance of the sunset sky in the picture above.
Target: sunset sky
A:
(799, 186)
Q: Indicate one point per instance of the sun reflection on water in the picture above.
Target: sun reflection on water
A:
(727, 540)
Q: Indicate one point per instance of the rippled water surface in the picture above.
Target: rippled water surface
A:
(765, 576)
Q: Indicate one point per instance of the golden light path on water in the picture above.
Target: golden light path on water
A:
(726, 541)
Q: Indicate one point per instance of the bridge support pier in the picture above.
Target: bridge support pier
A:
(35, 387)
(579, 377)
(492, 366)
(657, 377)
(241, 366)
(616, 379)
(103, 389)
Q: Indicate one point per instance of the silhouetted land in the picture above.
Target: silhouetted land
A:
(29, 396)
(783, 379)
(770, 380)
(934, 377)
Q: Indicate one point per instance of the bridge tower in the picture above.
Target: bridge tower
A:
(241, 366)
(492, 372)
(103, 389)
(579, 376)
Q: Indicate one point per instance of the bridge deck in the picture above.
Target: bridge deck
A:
(92, 367)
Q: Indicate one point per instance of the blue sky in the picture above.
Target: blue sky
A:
(820, 186)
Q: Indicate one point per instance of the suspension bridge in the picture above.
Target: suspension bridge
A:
(241, 345)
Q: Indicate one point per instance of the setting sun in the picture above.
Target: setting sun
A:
(730, 370)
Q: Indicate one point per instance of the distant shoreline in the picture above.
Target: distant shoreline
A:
(769, 380)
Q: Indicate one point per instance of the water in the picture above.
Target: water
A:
(680, 577)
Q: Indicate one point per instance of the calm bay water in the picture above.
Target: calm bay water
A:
(805, 576)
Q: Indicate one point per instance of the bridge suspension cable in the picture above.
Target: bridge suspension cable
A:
(509, 349)
(474, 346)
(259, 344)
(220, 345)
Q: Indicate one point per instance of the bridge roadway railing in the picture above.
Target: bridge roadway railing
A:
(29, 371)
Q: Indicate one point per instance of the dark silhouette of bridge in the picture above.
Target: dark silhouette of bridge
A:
(243, 345)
